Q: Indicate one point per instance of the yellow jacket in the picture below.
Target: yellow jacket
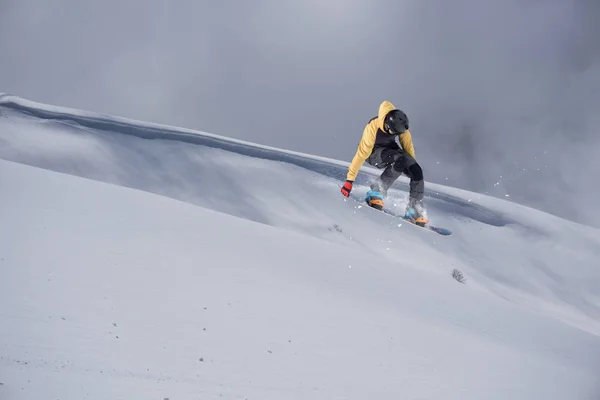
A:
(367, 142)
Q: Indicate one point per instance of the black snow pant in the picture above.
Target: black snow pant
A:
(394, 161)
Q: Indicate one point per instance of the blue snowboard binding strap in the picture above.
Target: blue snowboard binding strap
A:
(374, 199)
(410, 214)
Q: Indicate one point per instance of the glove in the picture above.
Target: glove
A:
(347, 188)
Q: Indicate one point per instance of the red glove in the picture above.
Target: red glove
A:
(347, 188)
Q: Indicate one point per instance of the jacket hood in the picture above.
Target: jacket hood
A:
(384, 108)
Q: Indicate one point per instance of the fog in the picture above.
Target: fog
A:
(502, 95)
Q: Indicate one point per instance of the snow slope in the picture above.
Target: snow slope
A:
(276, 286)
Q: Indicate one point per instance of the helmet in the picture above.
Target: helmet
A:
(396, 122)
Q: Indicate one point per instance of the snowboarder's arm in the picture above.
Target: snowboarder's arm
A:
(407, 144)
(365, 147)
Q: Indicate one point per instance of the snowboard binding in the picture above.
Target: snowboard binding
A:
(374, 199)
(416, 213)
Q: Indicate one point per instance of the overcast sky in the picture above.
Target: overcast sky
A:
(503, 95)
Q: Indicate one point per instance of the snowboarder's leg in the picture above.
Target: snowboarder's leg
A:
(383, 158)
(407, 165)
(415, 210)
(415, 173)
(379, 158)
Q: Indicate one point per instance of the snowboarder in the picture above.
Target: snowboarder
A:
(378, 146)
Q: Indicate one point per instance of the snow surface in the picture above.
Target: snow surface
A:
(191, 266)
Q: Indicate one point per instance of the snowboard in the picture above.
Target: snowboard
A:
(428, 227)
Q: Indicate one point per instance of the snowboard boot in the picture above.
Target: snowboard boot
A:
(375, 199)
(416, 213)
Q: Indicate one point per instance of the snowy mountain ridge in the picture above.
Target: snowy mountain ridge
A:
(184, 295)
